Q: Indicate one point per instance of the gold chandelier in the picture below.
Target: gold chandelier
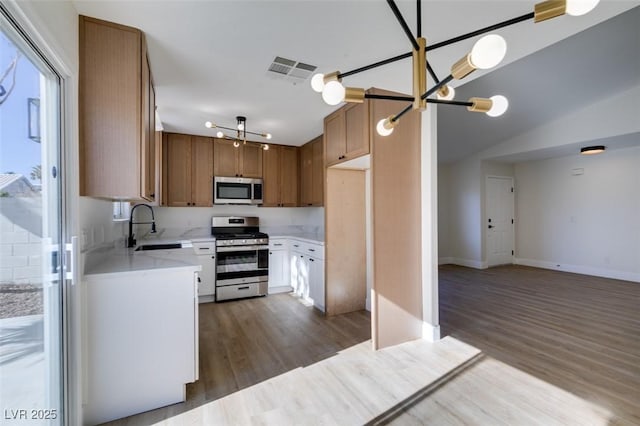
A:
(486, 53)
(240, 133)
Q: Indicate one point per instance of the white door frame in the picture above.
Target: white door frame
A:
(486, 216)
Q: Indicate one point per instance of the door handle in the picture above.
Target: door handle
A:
(491, 226)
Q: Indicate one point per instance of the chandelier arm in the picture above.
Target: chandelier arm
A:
(225, 128)
(419, 19)
(424, 96)
(388, 97)
(403, 24)
(432, 73)
(482, 31)
(375, 65)
(441, 101)
(437, 86)
(254, 133)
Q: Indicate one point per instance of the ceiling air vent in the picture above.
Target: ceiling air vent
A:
(291, 70)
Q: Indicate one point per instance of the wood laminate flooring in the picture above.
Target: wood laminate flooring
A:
(574, 338)
(557, 349)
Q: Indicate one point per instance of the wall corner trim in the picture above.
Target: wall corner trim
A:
(430, 333)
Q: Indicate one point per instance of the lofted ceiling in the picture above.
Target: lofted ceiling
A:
(210, 58)
(577, 71)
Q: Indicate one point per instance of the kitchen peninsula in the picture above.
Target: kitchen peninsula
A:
(141, 329)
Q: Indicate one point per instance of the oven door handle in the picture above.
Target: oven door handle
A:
(241, 248)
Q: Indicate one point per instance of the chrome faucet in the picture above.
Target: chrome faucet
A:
(131, 242)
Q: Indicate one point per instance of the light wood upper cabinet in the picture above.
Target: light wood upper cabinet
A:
(280, 174)
(312, 173)
(225, 158)
(243, 161)
(117, 155)
(250, 161)
(188, 171)
(347, 133)
(201, 171)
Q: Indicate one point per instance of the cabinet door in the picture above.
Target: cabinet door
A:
(251, 161)
(288, 176)
(147, 181)
(316, 282)
(207, 285)
(334, 137)
(278, 268)
(317, 170)
(356, 122)
(306, 174)
(202, 171)
(178, 170)
(271, 170)
(225, 158)
(109, 110)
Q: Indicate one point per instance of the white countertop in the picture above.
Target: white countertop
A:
(311, 237)
(110, 260)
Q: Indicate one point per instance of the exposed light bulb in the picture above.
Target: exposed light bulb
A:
(385, 126)
(449, 96)
(236, 144)
(580, 7)
(265, 147)
(208, 124)
(317, 82)
(333, 92)
(241, 126)
(268, 136)
(220, 134)
(499, 105)
(488, 51)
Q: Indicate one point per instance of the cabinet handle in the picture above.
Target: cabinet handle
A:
(203, 248)
(213, 257)
(243, 288)
(312, 249)
(311, 260)
(270, 252)
(295, 245)
(277, 244)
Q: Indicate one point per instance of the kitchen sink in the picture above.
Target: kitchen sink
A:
(159, 246)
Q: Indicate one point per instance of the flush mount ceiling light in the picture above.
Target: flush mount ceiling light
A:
(589, 150)
(486, 53)
(241, 132)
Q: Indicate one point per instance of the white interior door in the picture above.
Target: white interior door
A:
(499, 220)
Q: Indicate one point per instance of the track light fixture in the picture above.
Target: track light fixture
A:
(486, 53)
(241, 132)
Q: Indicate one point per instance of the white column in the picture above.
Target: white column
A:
(429, 185)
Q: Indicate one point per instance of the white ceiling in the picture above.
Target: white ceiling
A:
(210, 58)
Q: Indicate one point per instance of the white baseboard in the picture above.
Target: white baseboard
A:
(445, 260)
(430, 333)
(282, 289)
(580, 269)
(467, 262)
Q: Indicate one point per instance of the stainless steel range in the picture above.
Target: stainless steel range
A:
(242, 253)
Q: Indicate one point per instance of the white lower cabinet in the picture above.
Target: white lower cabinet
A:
(316, 282)
(307, 272)
(279, 270)
(141, 334)
(206, 252)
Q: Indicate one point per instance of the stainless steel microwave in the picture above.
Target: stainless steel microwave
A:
(237, 190)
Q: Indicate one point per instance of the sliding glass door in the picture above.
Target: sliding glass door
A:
(31, 234)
